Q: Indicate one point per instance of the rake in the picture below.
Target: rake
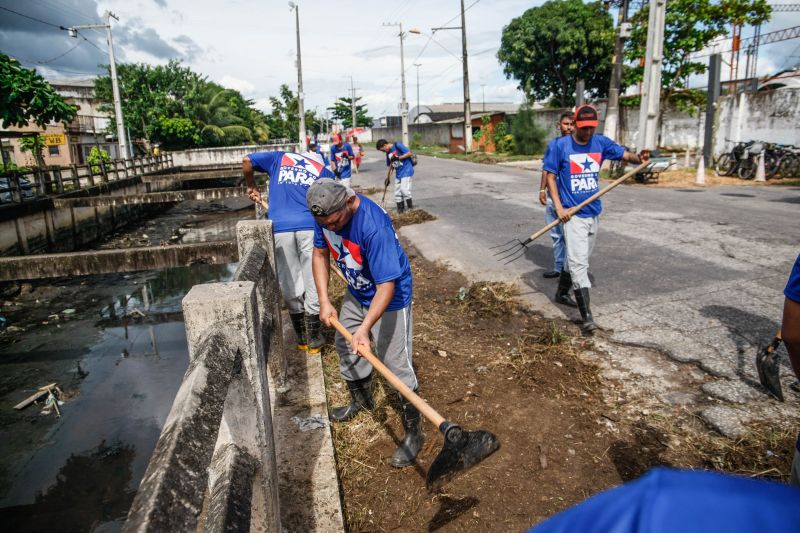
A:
(515, 248)
(386, 186)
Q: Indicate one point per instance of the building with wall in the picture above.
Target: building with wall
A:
(71, 143)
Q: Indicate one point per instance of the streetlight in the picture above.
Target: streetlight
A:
(416, 118)
(403, 103)
(73, 32)
(300, 110)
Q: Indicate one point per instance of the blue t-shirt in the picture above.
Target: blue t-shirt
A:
(324, 157)
(290, 176)
(368, 252)
(792, 290)
(666, 501)
(577, 169)
(339, 155)
(404, 168)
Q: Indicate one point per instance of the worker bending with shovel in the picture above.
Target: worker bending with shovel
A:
(572, 167)
(377, 305)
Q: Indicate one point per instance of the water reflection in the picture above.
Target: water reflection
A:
(90, 489)
(123, 368)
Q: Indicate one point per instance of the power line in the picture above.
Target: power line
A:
(33, 18)
(766, 38)
(59, 56)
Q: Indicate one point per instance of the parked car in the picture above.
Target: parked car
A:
(6, 190)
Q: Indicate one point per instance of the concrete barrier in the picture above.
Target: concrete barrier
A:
(214, 466)
(224, 155)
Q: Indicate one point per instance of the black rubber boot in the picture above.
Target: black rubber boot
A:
(582, 297)
(313, 329)
(299, 330)
(409, 204)
(360, 399)
(400, 207)
(562, 292)
(408, 449)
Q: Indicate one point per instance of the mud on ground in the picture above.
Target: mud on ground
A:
(566, 434)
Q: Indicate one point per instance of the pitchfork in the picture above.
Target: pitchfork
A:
(515, 248)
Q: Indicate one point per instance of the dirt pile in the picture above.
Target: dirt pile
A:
(488, 363)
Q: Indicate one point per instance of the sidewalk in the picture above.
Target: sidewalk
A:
(533, 164)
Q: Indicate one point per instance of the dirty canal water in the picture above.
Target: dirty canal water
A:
(115, 345)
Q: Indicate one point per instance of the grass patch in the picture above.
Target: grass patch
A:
(473, 157)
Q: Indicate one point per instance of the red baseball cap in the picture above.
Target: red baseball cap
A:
(585, 115)
(337, 138)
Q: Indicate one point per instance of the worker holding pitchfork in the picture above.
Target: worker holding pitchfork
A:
(572, 167)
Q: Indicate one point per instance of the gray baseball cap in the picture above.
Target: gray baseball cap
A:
(327, 196)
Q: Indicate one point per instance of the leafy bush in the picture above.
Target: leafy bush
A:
(178, 133)
(528, 136)
(503, 140)
(94, 158)
(416, 141)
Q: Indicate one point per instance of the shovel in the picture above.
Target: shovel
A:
(515, 248)
(462, 449)
(768, 365)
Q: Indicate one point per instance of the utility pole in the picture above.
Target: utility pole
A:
(300, 110)
(467, 110)
(651, 95)
(403, 102)
(612, 108)
(73, 32)
(714, 80)
(353, 103)
(416, 118)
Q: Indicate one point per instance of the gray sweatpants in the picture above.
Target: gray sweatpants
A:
(293, 256)
(392, 335)
(580, 234)
(402, 189)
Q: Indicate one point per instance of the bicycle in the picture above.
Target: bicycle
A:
(727, 164)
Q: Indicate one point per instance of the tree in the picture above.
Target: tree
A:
(529, 137)
(35, 145)
(549, 47)
(342, 110)
(690, 26)
(25, 95)
(283, 121)
(148, 93)
(158, 101)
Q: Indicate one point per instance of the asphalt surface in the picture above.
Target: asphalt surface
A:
(696, 273)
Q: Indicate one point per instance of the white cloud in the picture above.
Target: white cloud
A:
(243, 86)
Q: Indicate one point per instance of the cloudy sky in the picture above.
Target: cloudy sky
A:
(249, 45)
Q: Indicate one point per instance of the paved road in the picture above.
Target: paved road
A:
(695, 273)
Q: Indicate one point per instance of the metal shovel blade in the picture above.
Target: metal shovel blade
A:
(462, 450)
(769, 370)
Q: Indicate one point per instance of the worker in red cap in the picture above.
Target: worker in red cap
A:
(572, 166)
(342, 159)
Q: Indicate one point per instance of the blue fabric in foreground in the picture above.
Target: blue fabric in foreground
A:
(666, 500)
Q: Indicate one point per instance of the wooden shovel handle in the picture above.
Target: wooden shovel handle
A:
(589, 200)
(426, 410)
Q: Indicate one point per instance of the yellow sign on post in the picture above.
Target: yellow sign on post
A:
(54, 139)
